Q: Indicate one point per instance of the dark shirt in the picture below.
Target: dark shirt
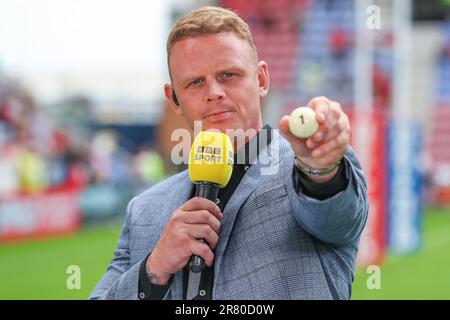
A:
(320, 191)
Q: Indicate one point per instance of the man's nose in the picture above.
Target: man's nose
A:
(214, 91)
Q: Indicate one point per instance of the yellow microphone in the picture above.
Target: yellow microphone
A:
(210, 168)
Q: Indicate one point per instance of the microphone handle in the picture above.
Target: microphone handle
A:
(208, 191)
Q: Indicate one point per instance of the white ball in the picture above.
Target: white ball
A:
(303, 123)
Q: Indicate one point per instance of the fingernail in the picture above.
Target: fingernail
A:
(318, 136)
(310, 143)
(322, 117)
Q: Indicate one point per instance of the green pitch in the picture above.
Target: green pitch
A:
(38, 270)
(423, 275)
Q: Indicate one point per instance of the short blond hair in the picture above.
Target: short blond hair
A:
(207, 21)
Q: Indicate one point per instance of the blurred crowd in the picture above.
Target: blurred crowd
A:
(38, 154)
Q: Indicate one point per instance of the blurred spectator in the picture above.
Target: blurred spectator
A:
(9, 183)
(381, 88)
(312, 77)
(33, 154)
(148, 167)
(78, 169)
(110, 163)
(32, 172)
(56, 163)
(340, 69)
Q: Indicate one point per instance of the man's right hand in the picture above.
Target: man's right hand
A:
(198, 218)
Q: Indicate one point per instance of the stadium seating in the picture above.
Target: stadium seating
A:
(275, 27)
(437, 145)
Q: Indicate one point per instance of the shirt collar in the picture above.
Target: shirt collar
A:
(248, 153)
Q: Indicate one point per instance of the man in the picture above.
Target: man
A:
(291, 234)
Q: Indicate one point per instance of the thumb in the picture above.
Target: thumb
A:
(283, 125)
(298, 145)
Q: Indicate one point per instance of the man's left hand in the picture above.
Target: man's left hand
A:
(330, 142)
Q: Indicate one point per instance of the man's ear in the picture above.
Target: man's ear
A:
(263, 78)
(173, 100)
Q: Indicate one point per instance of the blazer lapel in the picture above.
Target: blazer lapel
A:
(179, 194)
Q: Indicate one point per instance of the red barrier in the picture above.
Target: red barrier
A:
(29, 216)
(369, 142)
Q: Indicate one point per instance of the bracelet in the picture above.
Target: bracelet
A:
(315, 172)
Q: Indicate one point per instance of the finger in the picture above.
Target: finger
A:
(321, 106)
(202, 217)
(297, 144)
(340, 142)
(321, 134)
(202, 250)
(283, 125)
(203, 231)
(331, 158)
(334, 124)
(198, 203)
(340, 126)
(336, 127)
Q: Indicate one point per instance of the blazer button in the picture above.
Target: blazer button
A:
(141, 295)
(217, 201)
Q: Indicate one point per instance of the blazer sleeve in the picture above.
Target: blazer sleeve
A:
(120, 280)
(340, 219)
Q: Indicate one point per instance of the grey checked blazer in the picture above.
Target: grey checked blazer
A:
(274, 243)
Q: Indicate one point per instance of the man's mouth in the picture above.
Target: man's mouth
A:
(218, 116)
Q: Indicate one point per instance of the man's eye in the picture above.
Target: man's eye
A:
(228, 74)
(196, 82)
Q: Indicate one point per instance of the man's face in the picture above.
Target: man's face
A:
(218, 82)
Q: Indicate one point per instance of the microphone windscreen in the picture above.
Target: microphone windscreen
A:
(211, 158)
